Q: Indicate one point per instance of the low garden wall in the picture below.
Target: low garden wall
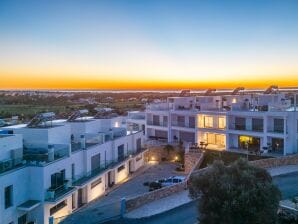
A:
(140, 200)
(275, 162)
(158, 153)
(194, 160)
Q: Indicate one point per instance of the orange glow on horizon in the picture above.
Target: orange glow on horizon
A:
(62, 82)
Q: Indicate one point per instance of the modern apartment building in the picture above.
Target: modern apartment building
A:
(257, 122)
(49, 168)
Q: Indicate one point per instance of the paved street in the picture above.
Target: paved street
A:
(109, 205)
(134, 186)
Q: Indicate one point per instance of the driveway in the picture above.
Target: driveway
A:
(109, 205)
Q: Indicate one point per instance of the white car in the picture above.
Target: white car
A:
(171, 180)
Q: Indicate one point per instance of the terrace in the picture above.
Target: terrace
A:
(41, 156)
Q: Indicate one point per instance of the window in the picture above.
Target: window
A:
(73, 171)
(208, 122)
(181, 121)
(121, 168)
(8, 194)
(222, 122)
(278, 125)
(257, 124)
(73, 201)
(22, 219)
(240, 123)
(139, 144)
(58, 207)
(211, 138)
(120, 152)
(192, 122)
(95, 162)
(57, 179)
(95, 183)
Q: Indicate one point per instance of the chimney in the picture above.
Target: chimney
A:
(83, 142)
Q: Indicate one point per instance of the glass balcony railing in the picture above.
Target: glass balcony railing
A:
(108, 164)
(161, 124)
(276, 129)
(257, 128)
(10, 164)
(56, 192)
(42, 156)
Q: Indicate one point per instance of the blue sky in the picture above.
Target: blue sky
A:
(208, 40)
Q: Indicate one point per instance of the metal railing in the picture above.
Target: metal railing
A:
(42, 156)
(161, 124)
(10, 164)
(108, 164)
(55, 192)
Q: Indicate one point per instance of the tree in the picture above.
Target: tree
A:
(235, 194)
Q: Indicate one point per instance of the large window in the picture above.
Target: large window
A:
(95, 183)
(8, 195)
(222, 122)
(278, 125)
(58, 207)
(240, 123)
(139, 144)
(95, 162)
(192, 122)
(257, 124)
(57, 179)
(208, 122)
(120, 152)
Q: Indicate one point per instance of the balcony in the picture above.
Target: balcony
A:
(10, 164)
(42, 156)
(55, 193)
(109, 164)
(160, 124)
(183, 124)
(240, 127)
(276, 129)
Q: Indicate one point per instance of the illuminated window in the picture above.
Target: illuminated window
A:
(234, 100)
(222, 122)
(211, 138)
(208, 122)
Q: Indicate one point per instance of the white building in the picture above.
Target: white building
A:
(50, 168)
(258, 122)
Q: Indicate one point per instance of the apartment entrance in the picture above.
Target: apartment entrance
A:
(130, 166)
(249, 143)
(82, 193)
(111, 178)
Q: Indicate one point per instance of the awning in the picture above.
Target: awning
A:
(28, 205)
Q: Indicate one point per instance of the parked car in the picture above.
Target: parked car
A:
(154, 186)
(171, 180)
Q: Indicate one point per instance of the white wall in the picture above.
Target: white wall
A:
(8, 143)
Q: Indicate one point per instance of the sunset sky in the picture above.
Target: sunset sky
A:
(151, 44)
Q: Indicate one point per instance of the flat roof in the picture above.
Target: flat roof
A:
(28, 205)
